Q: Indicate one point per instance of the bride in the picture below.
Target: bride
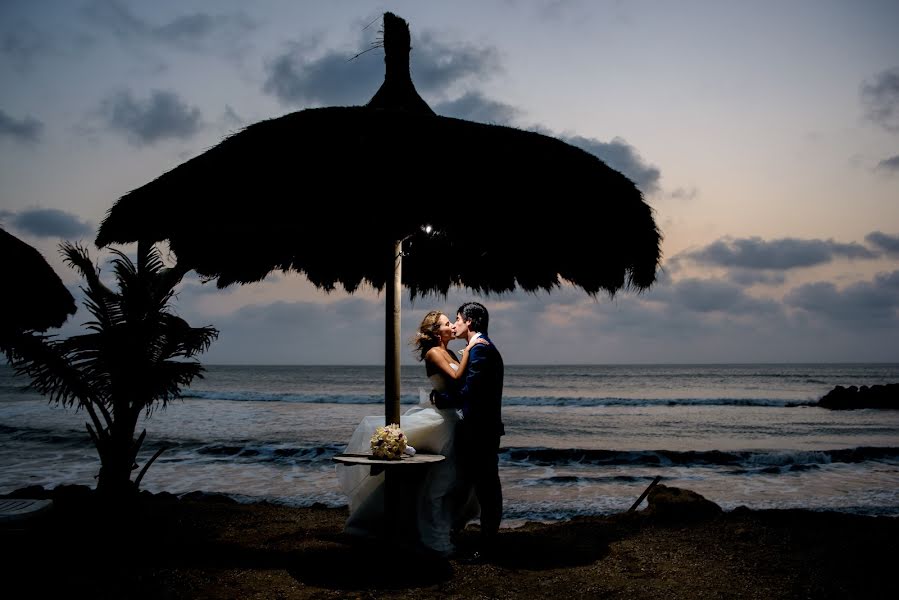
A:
(442, 504)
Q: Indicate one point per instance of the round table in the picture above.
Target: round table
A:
(395, 472)
(406, 460)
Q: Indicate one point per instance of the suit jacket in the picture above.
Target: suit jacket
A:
(480, 394)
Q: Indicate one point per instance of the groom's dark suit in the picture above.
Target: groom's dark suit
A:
(478, 433)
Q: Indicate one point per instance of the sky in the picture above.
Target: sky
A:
(765, 136)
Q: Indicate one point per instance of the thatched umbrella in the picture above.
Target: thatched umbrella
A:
(34, 297)
(346, 194)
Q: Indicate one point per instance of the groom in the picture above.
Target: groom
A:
(479, 431)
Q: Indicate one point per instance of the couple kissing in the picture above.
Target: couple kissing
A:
(461, 419)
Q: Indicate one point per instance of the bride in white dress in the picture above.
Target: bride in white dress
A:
(441, 503)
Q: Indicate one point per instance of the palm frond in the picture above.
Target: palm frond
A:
(51, 371)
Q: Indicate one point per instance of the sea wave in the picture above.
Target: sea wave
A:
(314, 398)
(742, 463)
(280, 450)
(287, 451)
(745, 460)
(617, 401)
(550, 400)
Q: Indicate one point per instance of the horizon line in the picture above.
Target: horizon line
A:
(580, 364)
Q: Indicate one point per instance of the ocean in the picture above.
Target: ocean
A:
(581, 439)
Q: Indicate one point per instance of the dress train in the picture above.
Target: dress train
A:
(441, 503)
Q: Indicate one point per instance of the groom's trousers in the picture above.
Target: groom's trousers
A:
(479, 451)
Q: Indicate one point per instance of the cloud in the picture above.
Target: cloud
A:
(888, 243)
(231, 118)
(750, 277)
(342, 332)
(329, 80)
(880, 98)
(623, 157)
(782, 254)
(691, 320)
(332, 79)
(437, 66)
(22, 43)
(187, 32)
(868, 304)
(473, 106)
(27, 129)
(163, 115)
(49, 222)
(685, 194)
(889, 165)
(712, 295)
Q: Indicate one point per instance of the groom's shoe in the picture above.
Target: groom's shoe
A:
(478, 557)
(471, 558)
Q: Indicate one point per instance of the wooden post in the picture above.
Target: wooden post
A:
(645, 493)
(392, 339)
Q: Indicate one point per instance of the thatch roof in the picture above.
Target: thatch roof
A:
(34, 297)
(326, 191)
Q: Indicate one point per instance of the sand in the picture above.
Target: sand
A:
(209, 547)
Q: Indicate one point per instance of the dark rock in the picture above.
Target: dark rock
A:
(36, 492)
(676, 504)
(852, 397)
(158, 498)
(72, 493)
(207, 497)
(166, 497)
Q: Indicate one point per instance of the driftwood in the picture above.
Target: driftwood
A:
(645, 493)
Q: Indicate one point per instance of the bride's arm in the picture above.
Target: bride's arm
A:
(439, 359)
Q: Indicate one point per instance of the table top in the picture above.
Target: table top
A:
(368, 459)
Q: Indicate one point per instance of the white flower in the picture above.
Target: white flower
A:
(388, 442)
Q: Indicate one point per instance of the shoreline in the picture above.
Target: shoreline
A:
(681, 545)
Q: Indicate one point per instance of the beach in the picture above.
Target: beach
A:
(244, 502)
(208, 546)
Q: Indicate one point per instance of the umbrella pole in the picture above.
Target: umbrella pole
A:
(392, 339)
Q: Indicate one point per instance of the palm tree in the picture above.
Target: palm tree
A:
(127, 364)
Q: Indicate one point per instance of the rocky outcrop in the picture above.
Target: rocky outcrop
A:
(676, 504)
(852, 397)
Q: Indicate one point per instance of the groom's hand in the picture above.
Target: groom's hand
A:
(440, 399)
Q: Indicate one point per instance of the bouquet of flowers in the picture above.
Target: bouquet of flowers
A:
(388, 442)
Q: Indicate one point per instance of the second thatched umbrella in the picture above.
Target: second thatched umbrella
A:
(34, 297)
(347, 195)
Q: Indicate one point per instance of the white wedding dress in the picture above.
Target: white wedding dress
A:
(441, 504)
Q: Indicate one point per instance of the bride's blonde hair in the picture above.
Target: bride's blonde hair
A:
(428, 335)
